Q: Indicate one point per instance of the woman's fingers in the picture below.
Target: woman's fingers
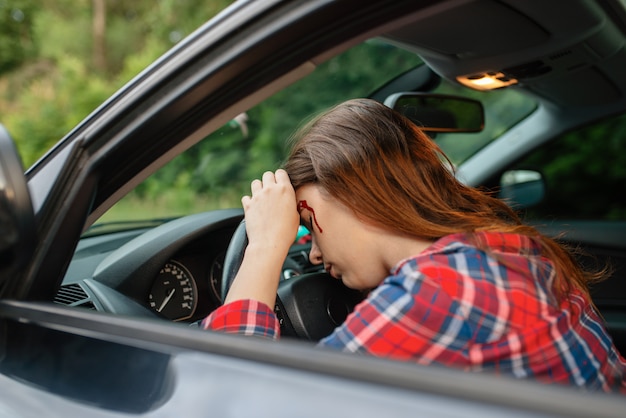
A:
(256, 186)
(245, 201)
(268, 178)
(273, 193)
(281, 176)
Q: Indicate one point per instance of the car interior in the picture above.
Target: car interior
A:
(126, 272)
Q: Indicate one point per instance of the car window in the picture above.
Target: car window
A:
(216, 172)
(584, 173)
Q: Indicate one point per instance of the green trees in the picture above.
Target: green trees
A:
(60, 59)
(63, 58)
(16, 38)
(217, 171)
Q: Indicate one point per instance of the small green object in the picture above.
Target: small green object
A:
(302, 231)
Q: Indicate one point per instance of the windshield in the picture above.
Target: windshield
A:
(216, 172)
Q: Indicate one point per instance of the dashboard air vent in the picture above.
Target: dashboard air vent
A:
(73, 295)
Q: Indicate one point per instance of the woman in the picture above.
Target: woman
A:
(456, 278)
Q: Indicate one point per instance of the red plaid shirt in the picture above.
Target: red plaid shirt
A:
(457, 305)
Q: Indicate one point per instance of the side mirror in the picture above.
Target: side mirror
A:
(17, 218)
(522, 188)
(439, 112)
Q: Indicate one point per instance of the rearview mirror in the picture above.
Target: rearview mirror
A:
(439, 112)
(17, 219)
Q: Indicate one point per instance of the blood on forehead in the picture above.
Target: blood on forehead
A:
(302, 204)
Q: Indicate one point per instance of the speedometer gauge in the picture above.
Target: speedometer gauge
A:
(174, 294)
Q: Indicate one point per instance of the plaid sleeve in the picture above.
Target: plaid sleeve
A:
(246, 317)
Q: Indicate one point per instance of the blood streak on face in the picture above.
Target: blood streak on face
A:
(303, 205)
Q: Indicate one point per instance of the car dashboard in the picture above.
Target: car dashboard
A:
(172, 271)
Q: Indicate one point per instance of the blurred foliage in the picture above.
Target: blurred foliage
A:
(49, 75)
(16, 38)
(63, 65)
(218, 170)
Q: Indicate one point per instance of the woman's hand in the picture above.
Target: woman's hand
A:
(271, 224)
(271, 216)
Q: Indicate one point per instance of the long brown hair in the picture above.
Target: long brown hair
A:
(379, 164)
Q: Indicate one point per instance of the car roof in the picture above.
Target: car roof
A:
(568, 53)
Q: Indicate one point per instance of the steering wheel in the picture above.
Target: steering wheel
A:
(308, 306)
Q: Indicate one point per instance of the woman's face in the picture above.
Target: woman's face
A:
(348, 248)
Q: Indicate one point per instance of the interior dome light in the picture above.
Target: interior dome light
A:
(486, 81)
